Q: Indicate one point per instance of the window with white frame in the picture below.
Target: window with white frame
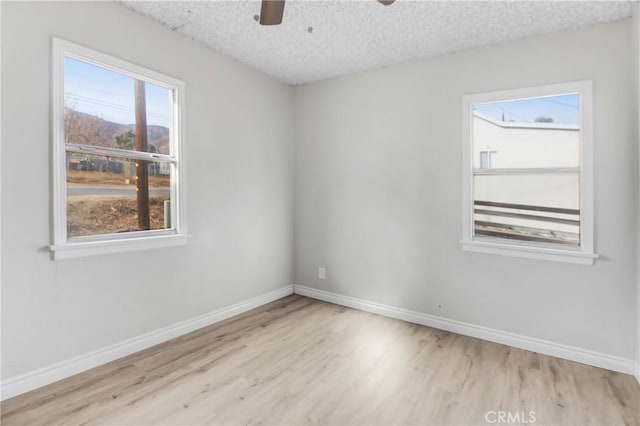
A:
(538, 201)
(117, 165)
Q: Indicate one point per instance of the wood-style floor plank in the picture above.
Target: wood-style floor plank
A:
(302, 361)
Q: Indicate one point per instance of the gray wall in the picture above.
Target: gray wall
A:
(239, 151)
(378, 192)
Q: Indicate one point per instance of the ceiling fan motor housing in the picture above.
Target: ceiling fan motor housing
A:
(271, 11)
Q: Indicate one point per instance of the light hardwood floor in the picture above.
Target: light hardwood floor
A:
(302, 361)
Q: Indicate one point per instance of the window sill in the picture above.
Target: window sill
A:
(94, 248)
(539, 253)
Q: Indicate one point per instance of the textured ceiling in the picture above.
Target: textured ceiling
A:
(352, 36)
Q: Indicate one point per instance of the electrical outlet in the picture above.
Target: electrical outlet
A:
(322, 273)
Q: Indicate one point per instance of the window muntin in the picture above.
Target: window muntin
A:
(110, 184)
(539, 195)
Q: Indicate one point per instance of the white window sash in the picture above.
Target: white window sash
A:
(120, 153)
(527, 171)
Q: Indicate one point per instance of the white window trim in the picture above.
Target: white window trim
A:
(62, 247)
(581, 255)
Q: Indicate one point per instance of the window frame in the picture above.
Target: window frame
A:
(64, 247)
(584, 253)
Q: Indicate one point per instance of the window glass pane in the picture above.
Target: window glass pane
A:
(529, 133)
(99, 109)
(102, 195)
(528, 207)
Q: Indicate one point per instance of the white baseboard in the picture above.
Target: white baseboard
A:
(43, 376)
(610, 362)
(38, 378)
